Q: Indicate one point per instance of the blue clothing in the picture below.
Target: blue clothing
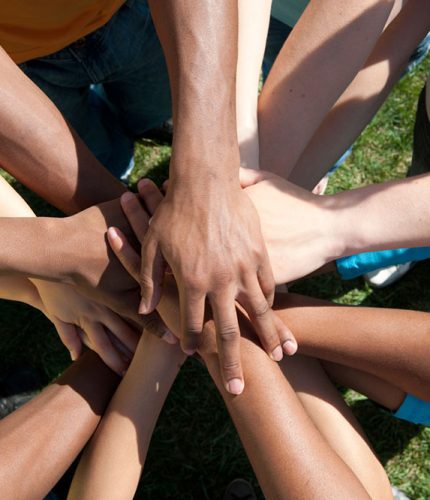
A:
(362, 263)
(111, 85)
(414, 410)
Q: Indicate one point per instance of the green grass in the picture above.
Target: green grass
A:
(195, 451)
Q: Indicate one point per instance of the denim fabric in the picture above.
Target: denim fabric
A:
(111, 85)
(279, 32)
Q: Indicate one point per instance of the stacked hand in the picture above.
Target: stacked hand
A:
(78, 320)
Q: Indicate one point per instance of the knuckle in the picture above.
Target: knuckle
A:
(228, 334)
(231, 367)
(260, 309)
(146, 281)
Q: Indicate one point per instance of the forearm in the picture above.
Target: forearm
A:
(30, 248)
(254, 18)
(38, 147)
(361, 100)
(199, 39)
(112, 463)
(274, 428)
(60, 421)
(272, 424)
(371, 333)
(382, 216)
(331, 38)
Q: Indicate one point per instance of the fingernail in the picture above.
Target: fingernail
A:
(143, 182)
(277, 353)
(290, 347)
(127, 196)
(190, 352)
(169, 338)
(113, 232)
(143, 309)
(235, 386)
(73, 356)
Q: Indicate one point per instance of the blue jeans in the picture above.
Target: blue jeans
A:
(279, 32)
(111, 85)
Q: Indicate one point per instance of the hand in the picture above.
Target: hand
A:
(153, 198)
(79, 320)
(90, 265)
(297, 225)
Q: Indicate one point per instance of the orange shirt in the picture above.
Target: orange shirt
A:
(35, 28)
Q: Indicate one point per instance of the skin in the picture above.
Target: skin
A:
(214, 245)
(331, 38)
(111, 465)
(328, 227)
(363, 97)
(77, 319)
(355, 356)
(254, 16)
(60, 420)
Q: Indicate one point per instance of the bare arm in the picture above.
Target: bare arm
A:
(254, 18)
(38, 147)
(329, 44)
(270, 420)
(214, 246)
(381, 216)
(361, 100)
(60, 421)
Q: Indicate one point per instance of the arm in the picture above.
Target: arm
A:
(324, 228)
(254, 18)
(60, 420)
(38, 147)
(330, 43)
(361, 100)
(76, 319)
(113, 461)
(214, 245)
(263, 414)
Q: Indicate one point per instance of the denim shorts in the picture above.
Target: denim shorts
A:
(111, 85)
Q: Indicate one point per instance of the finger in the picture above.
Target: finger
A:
(70, 338)
(147, 286)
(262, 318)
(249, 176)
(165, 186)
(150, 194)
(136, 215)
(99, 341)
(121, 330)
(267, 280)
(286, 337)
(125, 353)
(154, 325)
(192, 307)
(124, 252)
(228, 342)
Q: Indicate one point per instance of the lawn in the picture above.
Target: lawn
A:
(195, 451)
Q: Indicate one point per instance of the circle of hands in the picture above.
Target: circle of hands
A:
(116, 292)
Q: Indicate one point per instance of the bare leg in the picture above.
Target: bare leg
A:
(40, 440)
